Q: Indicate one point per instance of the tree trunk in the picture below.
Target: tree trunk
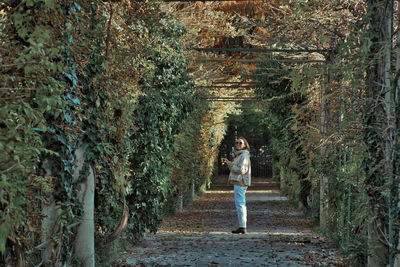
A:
(84, 243)
(379, 131)
(389, 106)
(49, 218)
(377, 253)
(396, 160)
(323, 194)
(193, 191)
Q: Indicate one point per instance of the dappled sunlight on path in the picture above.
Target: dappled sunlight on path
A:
(200, 235)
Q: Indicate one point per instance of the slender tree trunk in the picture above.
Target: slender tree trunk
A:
(396, 160)
(377, 253)
(179, 202)
(389, 105)
(84, 243)
(193, 191)
(379, 132)
(323, 202)
(49, 218)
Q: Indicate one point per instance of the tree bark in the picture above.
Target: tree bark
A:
(323, 198)
(193, 191)
(84, 243)
(377, 253)
(49, 218)
(378, 129)
(396, 161)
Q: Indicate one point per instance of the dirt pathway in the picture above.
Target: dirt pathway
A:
(200, 235)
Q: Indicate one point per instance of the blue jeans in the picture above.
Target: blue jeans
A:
(240, 203)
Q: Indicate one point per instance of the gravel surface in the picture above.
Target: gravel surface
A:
(200, 235)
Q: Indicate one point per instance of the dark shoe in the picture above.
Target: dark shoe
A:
(240, 230)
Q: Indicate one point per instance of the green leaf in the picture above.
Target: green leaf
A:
(112, 129)
(17, 19)
(5, 229)
(29, 3)
(28, 69)
(50, 4)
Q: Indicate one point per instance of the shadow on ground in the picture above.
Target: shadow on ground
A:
(200, 235)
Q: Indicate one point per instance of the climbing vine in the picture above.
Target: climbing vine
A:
(30, 91)
(71, 81)
(113, 79)
(336, 139)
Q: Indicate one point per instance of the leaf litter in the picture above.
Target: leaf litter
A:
(200, 234)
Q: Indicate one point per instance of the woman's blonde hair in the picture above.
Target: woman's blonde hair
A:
(246, 144)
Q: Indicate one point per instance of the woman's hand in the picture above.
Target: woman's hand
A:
(227, 162)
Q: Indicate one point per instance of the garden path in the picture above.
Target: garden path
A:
(200, 234)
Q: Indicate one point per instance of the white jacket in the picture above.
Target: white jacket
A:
(241, 168)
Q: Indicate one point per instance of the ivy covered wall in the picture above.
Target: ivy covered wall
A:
(106, 78)
(333, 136)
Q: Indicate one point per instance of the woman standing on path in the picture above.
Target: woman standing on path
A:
(240, 177)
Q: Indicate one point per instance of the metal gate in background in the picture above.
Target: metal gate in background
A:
(260, 156)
